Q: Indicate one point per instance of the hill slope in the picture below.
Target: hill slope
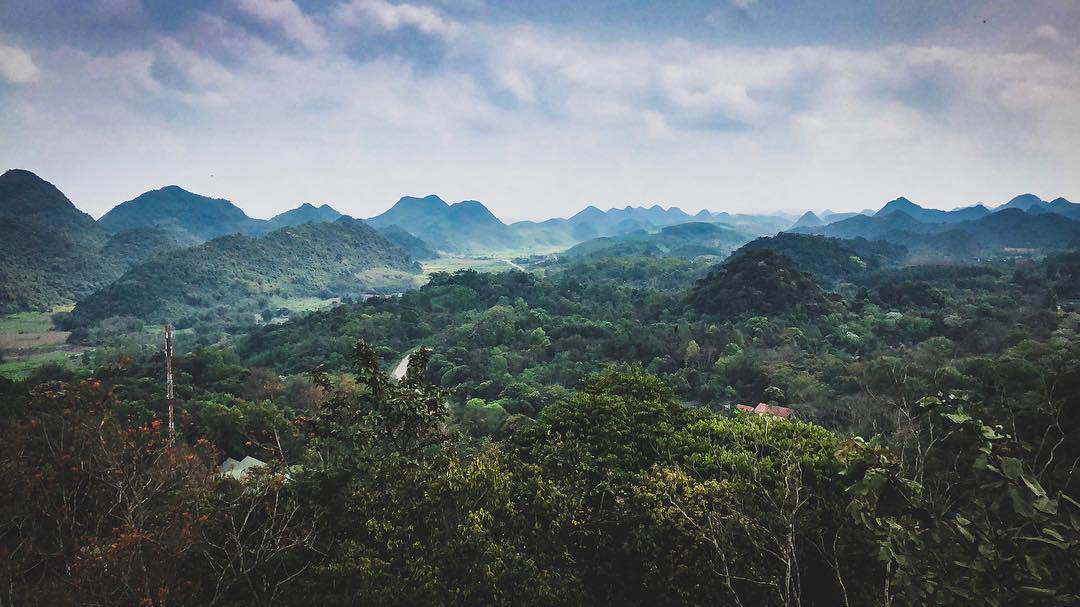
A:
(51, 253)
(760, 282)
(243, 273)
(830, 260)
(190, 217)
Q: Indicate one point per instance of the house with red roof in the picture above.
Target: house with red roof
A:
(766, 409)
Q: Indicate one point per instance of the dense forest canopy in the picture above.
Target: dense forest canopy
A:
(670, 412)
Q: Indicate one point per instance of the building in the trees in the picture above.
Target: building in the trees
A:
(765, 409)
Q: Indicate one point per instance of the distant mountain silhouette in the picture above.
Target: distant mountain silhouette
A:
(1062, 206)
(689, 240)
(808, 220)
(305, 213)
(1023, 202)
(926, 215)
(1035, 205)
(462, 227)
(591, 222)
(989, 235)
(828, 216)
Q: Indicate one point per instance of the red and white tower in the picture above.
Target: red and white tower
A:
(169, 381)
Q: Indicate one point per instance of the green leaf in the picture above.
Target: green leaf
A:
(957, 418)
(1012, 468)
(928, 401)
(1046, 505)
(1033, 485)
(1054, 534)
(1043, 540)
(1038, 591)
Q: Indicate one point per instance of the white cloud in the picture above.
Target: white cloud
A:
(742, 5)
(393, 17)
(286, 16)
(1047, 32)
(16, 66)
(541, 120)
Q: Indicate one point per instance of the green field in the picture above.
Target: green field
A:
(453, 264)
(29, 340)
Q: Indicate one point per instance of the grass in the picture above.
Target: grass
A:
(28, 340)
(453, 264)
(301, 304)
(28, 322)
(21, 368)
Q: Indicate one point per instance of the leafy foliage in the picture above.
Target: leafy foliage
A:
(759, 282)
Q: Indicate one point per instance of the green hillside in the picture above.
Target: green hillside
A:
(191, 218)
(758, 283)
(830, 259)
(416, 248)
(51, 253)
(243, 274)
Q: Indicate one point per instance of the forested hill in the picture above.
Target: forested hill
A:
(191, 218)
(51, 253)
(242, 275)
(758, 282)
(831, 260)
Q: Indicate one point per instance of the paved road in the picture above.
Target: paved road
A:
(402, 366)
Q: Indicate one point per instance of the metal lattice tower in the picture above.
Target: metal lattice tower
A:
(169, 381)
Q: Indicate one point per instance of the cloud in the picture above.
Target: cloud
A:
(118, 10)
(16, 66)
(287, 17)
(393, 17)
(540, 118)
(742, 5)
(1046, 32)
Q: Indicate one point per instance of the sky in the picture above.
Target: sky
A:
(539, 108)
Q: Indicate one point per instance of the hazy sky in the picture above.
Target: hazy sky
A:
(539, 108)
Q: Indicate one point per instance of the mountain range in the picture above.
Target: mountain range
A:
(52, 253)
(192, 218)
(690, 240)
(994, 233)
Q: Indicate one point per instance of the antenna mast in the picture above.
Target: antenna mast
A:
(169, 381)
